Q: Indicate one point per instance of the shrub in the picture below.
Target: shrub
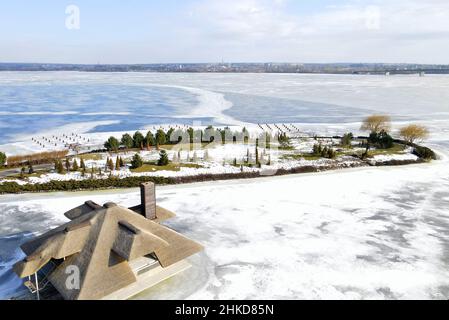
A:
(136, 162)
(163, 160)
(346, 140)
(381, 140)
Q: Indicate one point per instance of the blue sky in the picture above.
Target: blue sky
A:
(151, 31)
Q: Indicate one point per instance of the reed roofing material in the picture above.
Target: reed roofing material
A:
(101, 241)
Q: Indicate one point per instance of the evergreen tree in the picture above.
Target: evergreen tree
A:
(59, 167)
(111, 165)
(30, 169)
(149, 140)
(191, 133)
(138, 139)
(168, 136)
(92, 172)
(245, 134)
(160, 138)
(67, 164)
(83, 172)
(22, 172)
(136, 162)
(117, 163)
(257, 152)
(127, 141)
(75, 166)
(82, 164)
(112, 144)
(235, 162)
(163, 159)
(268, 141)
(122, 162)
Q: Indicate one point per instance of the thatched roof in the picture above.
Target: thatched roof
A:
(100, 241)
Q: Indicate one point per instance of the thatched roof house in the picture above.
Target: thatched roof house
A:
(114, 252)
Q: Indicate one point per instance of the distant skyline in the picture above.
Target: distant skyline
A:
(194, 31)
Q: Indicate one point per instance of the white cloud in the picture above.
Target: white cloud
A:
(256, 30)
(390, 31)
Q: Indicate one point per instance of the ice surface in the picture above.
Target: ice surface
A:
(366, 233)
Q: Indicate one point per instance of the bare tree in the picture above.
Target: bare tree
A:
(413, 133)
(377, 124)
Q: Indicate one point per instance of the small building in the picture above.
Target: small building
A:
(107, 252)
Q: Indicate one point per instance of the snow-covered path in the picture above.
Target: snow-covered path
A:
(366, 233)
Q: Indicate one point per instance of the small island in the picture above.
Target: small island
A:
(176, 154)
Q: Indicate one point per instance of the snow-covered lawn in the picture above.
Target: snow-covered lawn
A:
(366, 233)
(218, 159)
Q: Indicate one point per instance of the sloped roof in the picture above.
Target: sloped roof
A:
(100, 241)
(161, 213)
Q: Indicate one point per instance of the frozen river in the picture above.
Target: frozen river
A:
(371, 233)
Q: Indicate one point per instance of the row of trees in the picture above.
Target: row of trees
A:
(190, 135)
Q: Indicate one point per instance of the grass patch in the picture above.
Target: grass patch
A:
(396, 149)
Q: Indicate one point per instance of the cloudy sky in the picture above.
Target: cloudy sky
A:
(152, 31)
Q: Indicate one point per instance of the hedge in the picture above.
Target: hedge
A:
(134, 182)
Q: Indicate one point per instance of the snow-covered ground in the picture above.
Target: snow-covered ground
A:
(365, 233)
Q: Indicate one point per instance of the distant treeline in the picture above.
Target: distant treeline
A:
(326, 68)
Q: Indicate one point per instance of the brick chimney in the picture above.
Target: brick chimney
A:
(148, 200)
